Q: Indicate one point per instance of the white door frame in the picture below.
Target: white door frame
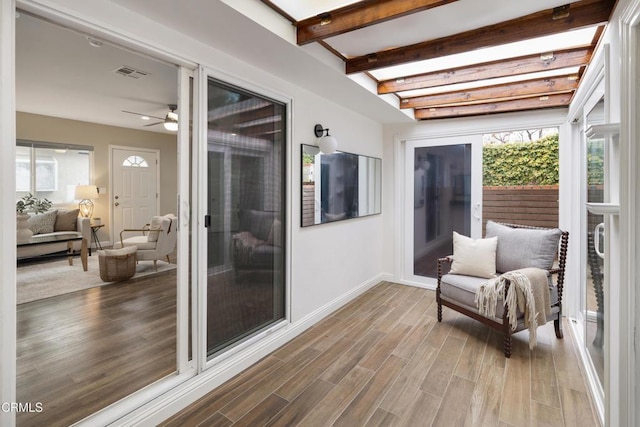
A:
(200, 210)
(115, 233)
(476, 197)
(185, 368)
(7, 215)
(629, 362)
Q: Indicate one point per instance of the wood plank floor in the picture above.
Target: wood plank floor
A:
(384, 360)
(79, 352)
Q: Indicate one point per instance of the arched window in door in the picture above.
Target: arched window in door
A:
(135, 162)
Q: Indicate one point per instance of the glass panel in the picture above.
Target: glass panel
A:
(246, 232)
(442, 203)
(594, 304)
(51, 173)
(136, 162)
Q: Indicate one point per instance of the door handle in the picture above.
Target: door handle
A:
(476, 211)
(117, 203)
(596, 238)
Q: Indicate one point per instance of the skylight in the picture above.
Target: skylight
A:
(582, 37)
(300, 10)
(489, 82)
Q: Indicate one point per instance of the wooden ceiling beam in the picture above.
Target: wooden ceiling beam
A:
(521, 89)
(534, 103)
(503, 68)
(582, 14)
(359, 15)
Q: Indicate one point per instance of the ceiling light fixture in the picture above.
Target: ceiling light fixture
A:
(326, 143)
(560, 12)
(325, 18)
(145, 118)
(171, 120)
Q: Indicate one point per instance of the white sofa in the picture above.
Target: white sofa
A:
(82, 229)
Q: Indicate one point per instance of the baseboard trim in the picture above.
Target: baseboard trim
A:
(391, 278)
(181, 396)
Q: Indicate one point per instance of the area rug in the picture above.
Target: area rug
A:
(56, 277)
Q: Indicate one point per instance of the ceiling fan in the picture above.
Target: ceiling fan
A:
(170, 121)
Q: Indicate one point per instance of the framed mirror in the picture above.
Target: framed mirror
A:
(339, 186)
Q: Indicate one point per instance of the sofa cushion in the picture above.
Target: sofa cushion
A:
(474, 257)
(66, 220)
(257, 223)
(43, 223)
(522, 247)
(275, 234)
(127, 250)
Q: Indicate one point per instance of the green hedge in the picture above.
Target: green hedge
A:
(523, 163)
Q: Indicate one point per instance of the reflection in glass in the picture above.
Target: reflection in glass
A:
(442, 203)
(246, 224)
(339, 186)
(594, 314)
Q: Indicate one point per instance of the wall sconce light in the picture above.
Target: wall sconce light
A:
(85, 193)
(327, 143)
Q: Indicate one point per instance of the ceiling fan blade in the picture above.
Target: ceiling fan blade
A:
(140, 114)
(153, 124)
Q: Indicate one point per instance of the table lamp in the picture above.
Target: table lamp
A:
(86, 193)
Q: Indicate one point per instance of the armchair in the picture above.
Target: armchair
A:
(517, 247)
(157, 239)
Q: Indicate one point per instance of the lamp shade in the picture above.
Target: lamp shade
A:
(328, 144)
(171, 121)
(84, 192)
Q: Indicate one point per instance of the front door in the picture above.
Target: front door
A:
(443, 195)
(134, 188)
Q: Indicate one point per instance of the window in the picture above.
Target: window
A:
(51, 170)
(135, 162)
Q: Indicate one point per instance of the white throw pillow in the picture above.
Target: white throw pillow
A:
(474, 257)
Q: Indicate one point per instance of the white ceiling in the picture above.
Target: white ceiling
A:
(59, 74)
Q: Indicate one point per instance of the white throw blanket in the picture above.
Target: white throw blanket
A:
(529, 289)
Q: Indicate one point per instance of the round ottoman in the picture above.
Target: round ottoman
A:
(117, 264)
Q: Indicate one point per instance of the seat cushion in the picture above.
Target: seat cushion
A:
(522, 247)
(462, 289)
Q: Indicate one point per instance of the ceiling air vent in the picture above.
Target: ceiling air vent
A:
(127, 71)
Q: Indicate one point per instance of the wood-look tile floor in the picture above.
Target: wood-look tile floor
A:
(384, 360)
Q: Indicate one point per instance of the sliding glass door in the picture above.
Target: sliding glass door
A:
(443, 195)
(245, 221)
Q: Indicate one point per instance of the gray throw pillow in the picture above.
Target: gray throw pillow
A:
(522, 247)
(66, 220)
(43, 223)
